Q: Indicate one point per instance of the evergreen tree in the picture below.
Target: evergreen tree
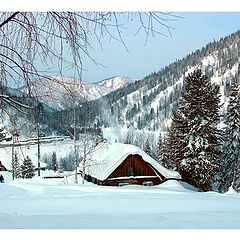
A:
(48, 160)
(162, 155)
(54, 162)
(16, 167)
(236, 179)
(175, 141)
(3, 133)
(194, 137)
(129, 137)
(159, 148)
(63, 164)
(147, 148)
(27, 168)
(99, 137)
(231, 148)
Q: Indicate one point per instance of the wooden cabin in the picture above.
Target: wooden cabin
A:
(2, 168)
(124, 164)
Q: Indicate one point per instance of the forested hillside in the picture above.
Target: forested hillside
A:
(148, 103)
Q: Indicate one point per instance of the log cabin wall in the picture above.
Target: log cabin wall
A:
(133, 165)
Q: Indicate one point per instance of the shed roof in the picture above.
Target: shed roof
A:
(103, 161)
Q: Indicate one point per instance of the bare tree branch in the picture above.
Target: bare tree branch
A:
(8, 19)
(32, 43)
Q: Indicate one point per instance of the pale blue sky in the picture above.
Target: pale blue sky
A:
(191, 32)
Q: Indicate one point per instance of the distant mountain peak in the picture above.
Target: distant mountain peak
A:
(116, 82)
(56, 92)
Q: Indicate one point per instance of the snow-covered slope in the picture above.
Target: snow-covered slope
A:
(148, 104)
(61, 93)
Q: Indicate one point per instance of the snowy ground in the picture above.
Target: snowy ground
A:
(60, 204)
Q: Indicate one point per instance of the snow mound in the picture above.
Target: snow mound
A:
(177, 186)
(56, 187)
(231, 191)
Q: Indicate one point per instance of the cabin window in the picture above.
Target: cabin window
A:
(131, 171)
(148, 183)
(123, 184)
(93, 180)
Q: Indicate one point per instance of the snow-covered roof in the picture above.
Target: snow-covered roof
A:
(104, 160)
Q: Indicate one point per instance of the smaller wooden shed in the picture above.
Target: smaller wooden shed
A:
(2, 168)
(122, 164)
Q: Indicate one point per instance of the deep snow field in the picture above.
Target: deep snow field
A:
(60, 204)
(40, 203)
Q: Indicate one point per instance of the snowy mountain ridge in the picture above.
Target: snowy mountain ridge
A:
(115, 82)
(156, 111)
(148, 104)
(61, 92)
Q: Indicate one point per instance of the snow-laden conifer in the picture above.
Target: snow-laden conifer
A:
(175, 140)
(194, 138)
(162, 152)
(147, 148)
(4, 136)
(27, 168)
(54, 162)
(17, 173)
(231, 147)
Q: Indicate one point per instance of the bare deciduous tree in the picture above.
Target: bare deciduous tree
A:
(34, 42)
